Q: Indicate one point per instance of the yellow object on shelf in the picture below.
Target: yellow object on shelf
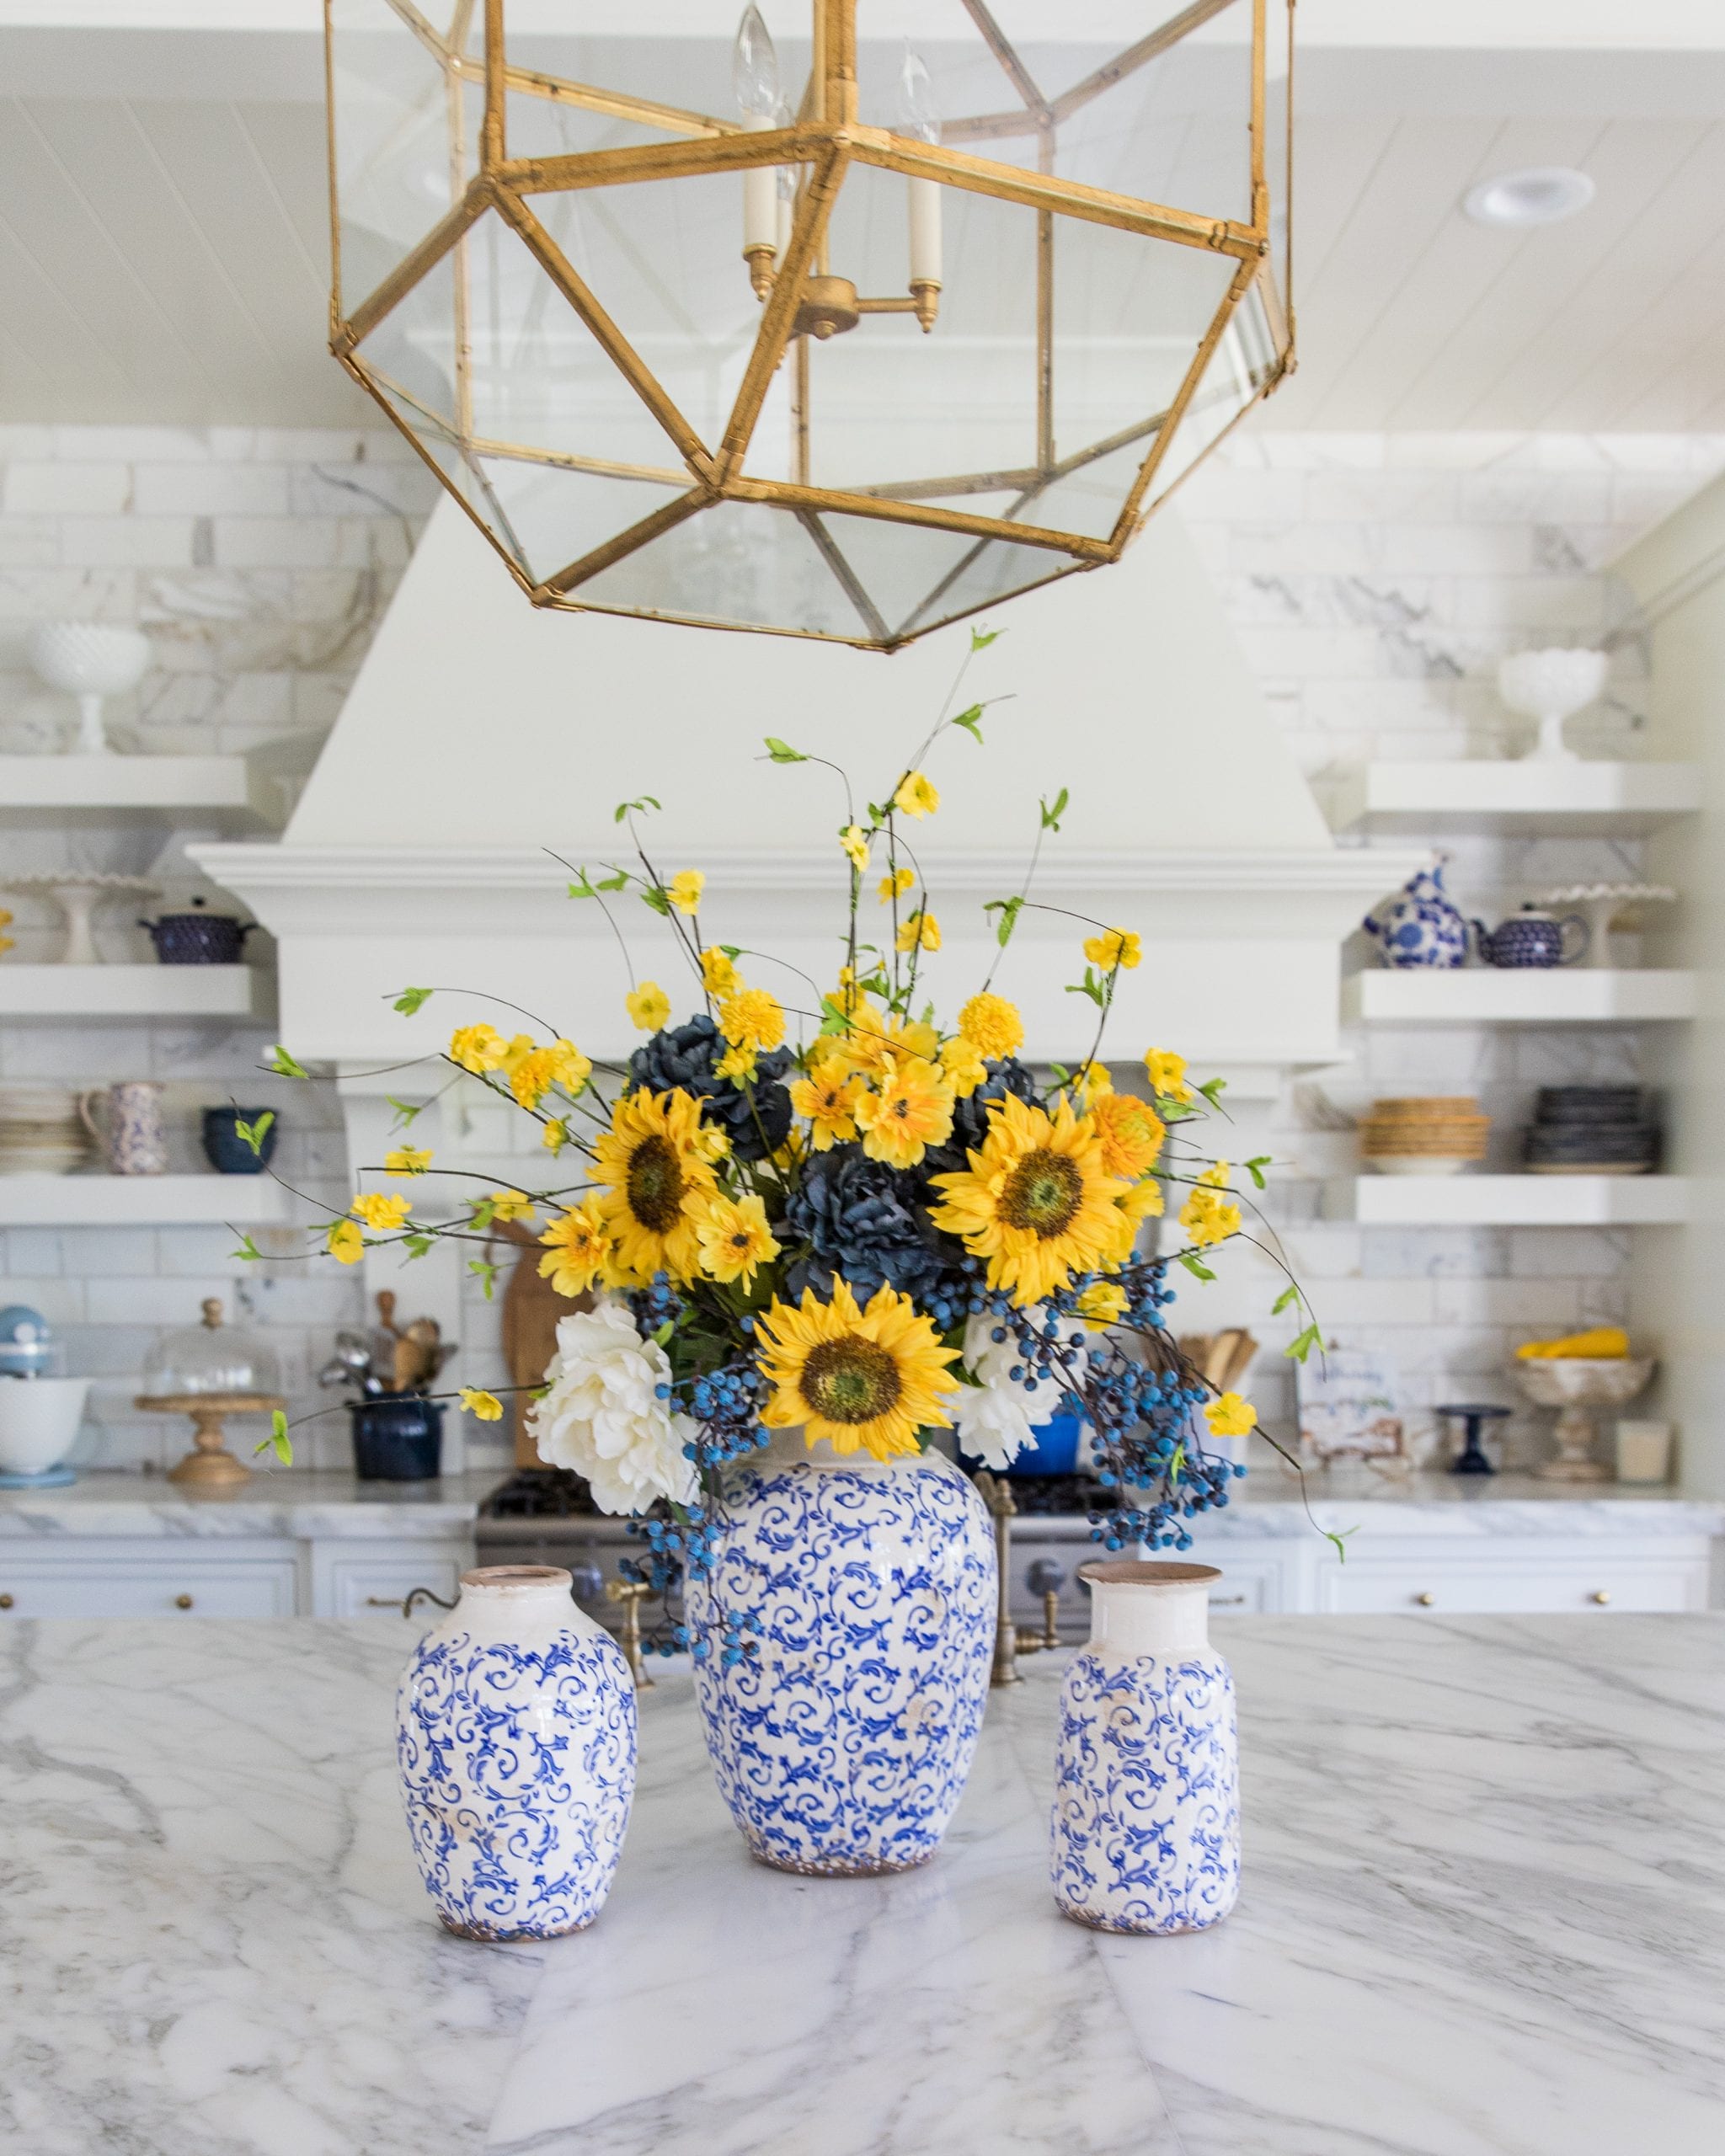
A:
(1603, 1344)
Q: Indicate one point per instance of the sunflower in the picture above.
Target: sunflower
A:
(1131, 1131)
(653, 1161)
(870, 1377)
(1036, 1201)
(579, 1252)
(734, 1238)
(912, 1111)
(992, 1026)
(827, 1096)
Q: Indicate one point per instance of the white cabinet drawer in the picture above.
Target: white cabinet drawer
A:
(1484, 1588)
(245, 1588)
(365, 1585)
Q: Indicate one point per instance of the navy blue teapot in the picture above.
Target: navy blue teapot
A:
(199, 938)
(1532, 937)
(1419, 926)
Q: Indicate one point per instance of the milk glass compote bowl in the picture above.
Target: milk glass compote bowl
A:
(1578, 1386)
(1551, 686)
(89, 661)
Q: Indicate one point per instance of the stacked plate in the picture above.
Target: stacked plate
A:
(41, 1131)
(1592, 1130)
(1430, 1134)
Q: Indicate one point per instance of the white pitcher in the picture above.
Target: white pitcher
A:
(127, 1123)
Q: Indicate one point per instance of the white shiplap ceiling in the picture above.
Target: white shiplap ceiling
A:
(163, 226)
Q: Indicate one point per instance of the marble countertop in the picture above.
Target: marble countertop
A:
(306, 1504)
(1483, 1914)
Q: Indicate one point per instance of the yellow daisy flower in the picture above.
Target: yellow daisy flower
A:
(992, 1026)
(1102, 1303)
(1209, 1218)
(406, 1160)
(685, 888)
(658, 1181)
(917, 796)
(737, 1064)
(869, 1379)
(962, 1064)
(718, 976)
(753, 1017)
(1091, 1082)
(1217, 1175)
(561, 1064)
(483, 1406)
(555, 1135)
(1114, 947)
(520, 1047)
(510, 1205)
(1035, 1200)
(344, 1242)
(1142, 1202)
(919, 928)
(734, 1238)
(1167, 1075)
(477, 1049)
(380, 1212)
(649, 1006)
(1230, 1416)
(1132, 1134)
(855, 842)
(912, 1111)
(896, 885)
(874, 1036)
(579, 1252)
(827, 1097)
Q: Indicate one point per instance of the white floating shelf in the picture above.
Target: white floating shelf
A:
(1523, 1201)
(147, 991)
(1526, 799)
(99, 1201)
(1508, 996)
(226, 791)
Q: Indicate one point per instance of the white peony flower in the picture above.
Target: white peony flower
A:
(992, 1423)
(603, 1416)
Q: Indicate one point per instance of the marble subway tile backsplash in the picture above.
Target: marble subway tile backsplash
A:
(1375, 581)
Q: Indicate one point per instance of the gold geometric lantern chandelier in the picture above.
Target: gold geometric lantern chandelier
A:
(844, 333)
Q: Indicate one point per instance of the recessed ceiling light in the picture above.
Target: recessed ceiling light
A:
(1541, 196)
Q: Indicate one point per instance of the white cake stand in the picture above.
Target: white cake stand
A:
(78, 898)
(1600, 904)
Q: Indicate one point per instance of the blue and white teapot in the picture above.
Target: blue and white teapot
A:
(1419, 926)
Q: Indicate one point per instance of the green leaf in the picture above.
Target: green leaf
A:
(1176, 1462)
(417, 1246)
(1256, 1167)
(615, 882)
(664, 1331)
(625, 808)
(278, 1440)
(980, 639)
(485, 1212)
(1062, 1076)
(405, 1111)
(582, 888)
(1290, 1294)
(1195, 1266)
(733, 951)
(283, 1064)
(410, 998)
(1008, 909)
(1212, 1090)
(782, 752)
(486, 1274)
(971, 721)
(1051, 816)
(1303, 1343)
(248, 1250)
(254, 1133)
(1339, 1536)
(1091, 986)
(656, 896)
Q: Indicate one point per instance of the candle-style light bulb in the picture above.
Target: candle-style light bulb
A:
(754, 74)
(919, 117)
(754, 69)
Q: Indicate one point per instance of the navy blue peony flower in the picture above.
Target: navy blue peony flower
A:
(680, 1059)
(971, 1116)
(866, 1222)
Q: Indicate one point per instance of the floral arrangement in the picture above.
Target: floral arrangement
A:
(827, 1211)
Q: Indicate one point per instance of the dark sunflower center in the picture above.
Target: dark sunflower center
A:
(1042, 1193)
(655, 1186)
(850, 1380)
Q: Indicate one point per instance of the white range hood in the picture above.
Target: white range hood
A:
(481, 737)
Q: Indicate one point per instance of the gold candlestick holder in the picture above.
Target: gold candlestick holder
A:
(630, 1595)
(994, 1492)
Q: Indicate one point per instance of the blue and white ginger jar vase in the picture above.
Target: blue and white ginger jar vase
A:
(843, 1742)
(1146, 1831)
(1420, 927)
(516, 1740)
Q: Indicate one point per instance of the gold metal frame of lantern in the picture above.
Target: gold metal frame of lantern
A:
(785, 239)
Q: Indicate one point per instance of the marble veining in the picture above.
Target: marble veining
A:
(304, 1505)
(1482, 1914)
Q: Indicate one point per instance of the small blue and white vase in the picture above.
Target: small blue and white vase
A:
(1146, 1831)
(841, 1740)
(1420, 927)
(516, 1741)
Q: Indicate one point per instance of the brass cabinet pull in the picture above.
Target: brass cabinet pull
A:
(1600, 1595)
(1425, 1600)
(5, 1602)
(182, 1602)
(383, 1602)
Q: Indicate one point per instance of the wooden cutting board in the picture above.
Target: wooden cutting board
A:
(532, 1308)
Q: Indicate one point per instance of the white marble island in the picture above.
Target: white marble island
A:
(1483, 1915)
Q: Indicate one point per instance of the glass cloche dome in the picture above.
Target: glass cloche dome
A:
(212, 1358)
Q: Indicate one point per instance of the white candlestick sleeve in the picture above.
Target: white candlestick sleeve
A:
(925, 231)
(760, 196)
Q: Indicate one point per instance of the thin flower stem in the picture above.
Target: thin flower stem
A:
(629, 962)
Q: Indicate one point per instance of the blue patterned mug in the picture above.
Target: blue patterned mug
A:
(1532, 937)
(1420, 927)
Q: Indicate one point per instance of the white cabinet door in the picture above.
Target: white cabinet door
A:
(1604, 1580)
(83, 1583)
(358, 1581)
